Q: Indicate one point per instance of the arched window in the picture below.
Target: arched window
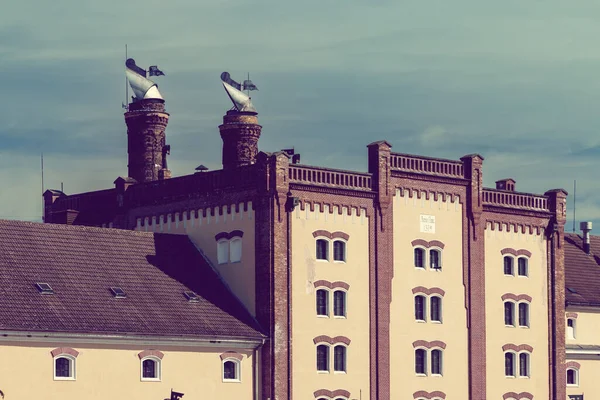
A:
(339, 358)
(523, 314)
(323, 302)
(509, 313)
(436, 362)
(339, 250)
(436, 309)
(420, 308)
(508, 265)
(419, 257)
(322, 249)
(421, 362)
(64, 367)
(235, 250)
(572, 377)
(339, 303)
(231, 370)
(435, 259)
(523, 268)
(509, 364)
(524, 365)
(223, 251)
(150, 369)
(323, 358)
(571, 328)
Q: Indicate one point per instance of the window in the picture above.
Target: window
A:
(435, 259)
(509, 313)
(64, 368)
(231, 370)
(223, 251)
(323, 302)
(419, 258)
(420, 308)
(339, 303)
(523, 314)
(524, 365)
(436, 309)
(436, 362)
(509, 364)
(339, 250)
(523, 267)
(572, 377)
(571, 328)
(339, 358)
(150, 369)
(235, 250)
(322, 358)
(322, 249)
(420, 362)
(508, 265)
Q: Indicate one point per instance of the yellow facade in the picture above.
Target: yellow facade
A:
(497, 333)
(306, 325)
(106, 371)
(587, 321)
(404, 329)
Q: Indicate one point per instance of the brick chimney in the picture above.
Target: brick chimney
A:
(240, 133)
(146, 123)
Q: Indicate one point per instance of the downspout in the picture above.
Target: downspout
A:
(553, 308)
(256, 367)
(289, 297)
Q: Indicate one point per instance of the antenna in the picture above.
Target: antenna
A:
(126, 104)
(42, 159)
(574, 201)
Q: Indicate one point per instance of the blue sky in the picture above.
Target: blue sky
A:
(516, 81)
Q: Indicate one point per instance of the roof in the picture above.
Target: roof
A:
(582, 271)
(81, 264)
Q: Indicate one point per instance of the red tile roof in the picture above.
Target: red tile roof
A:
(81, 264)
(582, 271)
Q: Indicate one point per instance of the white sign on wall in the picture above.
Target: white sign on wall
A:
(427, 223)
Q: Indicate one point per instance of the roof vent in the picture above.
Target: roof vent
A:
(118, 292)
(191, 296)
(586, 227)
(44, 288)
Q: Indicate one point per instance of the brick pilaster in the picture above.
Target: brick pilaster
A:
(382, 268)
(557, 202)
(474, 263)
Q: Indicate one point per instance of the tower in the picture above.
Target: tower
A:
(240, 130)
(146, 121)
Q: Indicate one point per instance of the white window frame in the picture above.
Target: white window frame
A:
(157, 367)
(345, 254)
(518, 316)
(513, 314)
(515, 364)
(512, 269)
(345, 315)
(328, 302)
(223, 251)
(441, 303)
(425, 308)
(571, 331)
(238, 370)
(72, 367)
(526, 267)
(528, 376)
(430, 355)
(332, 349)
(425, 258)
(440, 258)
(235, 243)
(328, 255)
(576, 384)
(425, 361)
(329, 358)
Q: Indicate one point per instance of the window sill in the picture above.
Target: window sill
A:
(572, 385)
(421, 375)
(420, 321)
(339, 317)
(63, 378)
(510, 275)
(420, 268)
(339, 261)
(235, 262)
(437, 375)
(322, 372)
(340, 372)
(510, 377)
(509, 326)
(322, 260)
(524, 326)
(150, 379)
(232, 381)
(523, 276)
(322, 316)
(436, 322)
(524, 377)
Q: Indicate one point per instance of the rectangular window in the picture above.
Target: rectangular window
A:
(509, 364)
(419, 258)
(322, 302)
(420, 308)
(570, 328)
(524, 365)
(436, 309)
(339, 359)
(420, 368)
(436, 362)
(508, 265)
(434, 259)
(339, 303)
(523, 314)
(322, 249)
(523, 266)
(509, 314)
(339, 250)
(323, 358)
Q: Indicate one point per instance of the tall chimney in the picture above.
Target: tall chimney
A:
(146, 123)
(586, 227)
(240, 132)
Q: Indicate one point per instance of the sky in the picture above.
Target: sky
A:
(515, 81)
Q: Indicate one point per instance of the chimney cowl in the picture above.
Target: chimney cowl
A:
(586, 227)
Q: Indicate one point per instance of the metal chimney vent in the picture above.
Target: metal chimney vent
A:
(586, 227)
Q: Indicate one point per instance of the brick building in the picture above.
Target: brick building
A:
(407, 281)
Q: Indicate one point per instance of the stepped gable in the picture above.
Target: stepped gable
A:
(582, 271)
(81, 264)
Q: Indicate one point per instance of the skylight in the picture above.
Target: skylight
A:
(44, 288)
(191, 296)
(118, 292)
